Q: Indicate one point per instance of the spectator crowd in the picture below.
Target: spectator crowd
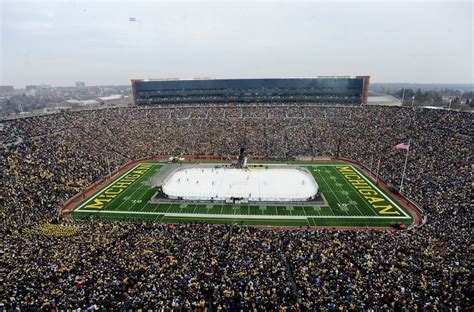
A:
(197, 267)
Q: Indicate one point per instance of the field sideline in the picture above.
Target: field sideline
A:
(354, 200)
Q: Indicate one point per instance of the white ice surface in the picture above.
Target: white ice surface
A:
(254, 184)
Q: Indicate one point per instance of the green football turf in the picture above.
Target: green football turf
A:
(127, 198)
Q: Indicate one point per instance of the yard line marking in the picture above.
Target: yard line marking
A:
(140, 201)
(363, 200)
(152, 171)
(360, 196)
(330, 188)
(131, 187)
(169, 206)
(125, 198)
(106, 188)
(146, 176)
(383, 194)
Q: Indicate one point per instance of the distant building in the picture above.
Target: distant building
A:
(80, 84)
(41, 87)
(116, 99)
(31, 87)
(6, 89)
(383, 99)
(44, 87)
(77, 103)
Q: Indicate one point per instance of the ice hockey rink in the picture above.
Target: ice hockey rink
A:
(253, 184)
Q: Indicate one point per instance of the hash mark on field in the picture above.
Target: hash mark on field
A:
(330, 189)
(343, 207)
(363, 200)
(135, 189)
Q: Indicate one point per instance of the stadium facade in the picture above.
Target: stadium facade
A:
(320, 90)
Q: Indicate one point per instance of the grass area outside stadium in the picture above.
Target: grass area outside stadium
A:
(353, 200)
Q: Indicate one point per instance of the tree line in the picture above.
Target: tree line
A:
(435, 98)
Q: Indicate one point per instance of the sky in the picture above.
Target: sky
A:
(61, 42)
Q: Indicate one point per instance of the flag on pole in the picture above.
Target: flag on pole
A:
(405, 145)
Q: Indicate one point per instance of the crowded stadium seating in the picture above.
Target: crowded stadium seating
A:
(132, 265)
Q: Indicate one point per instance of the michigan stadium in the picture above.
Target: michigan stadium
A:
(211, 177)
(236, 156)
(326, 191)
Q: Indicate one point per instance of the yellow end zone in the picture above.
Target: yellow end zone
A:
(376, 199)
(117, 187)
